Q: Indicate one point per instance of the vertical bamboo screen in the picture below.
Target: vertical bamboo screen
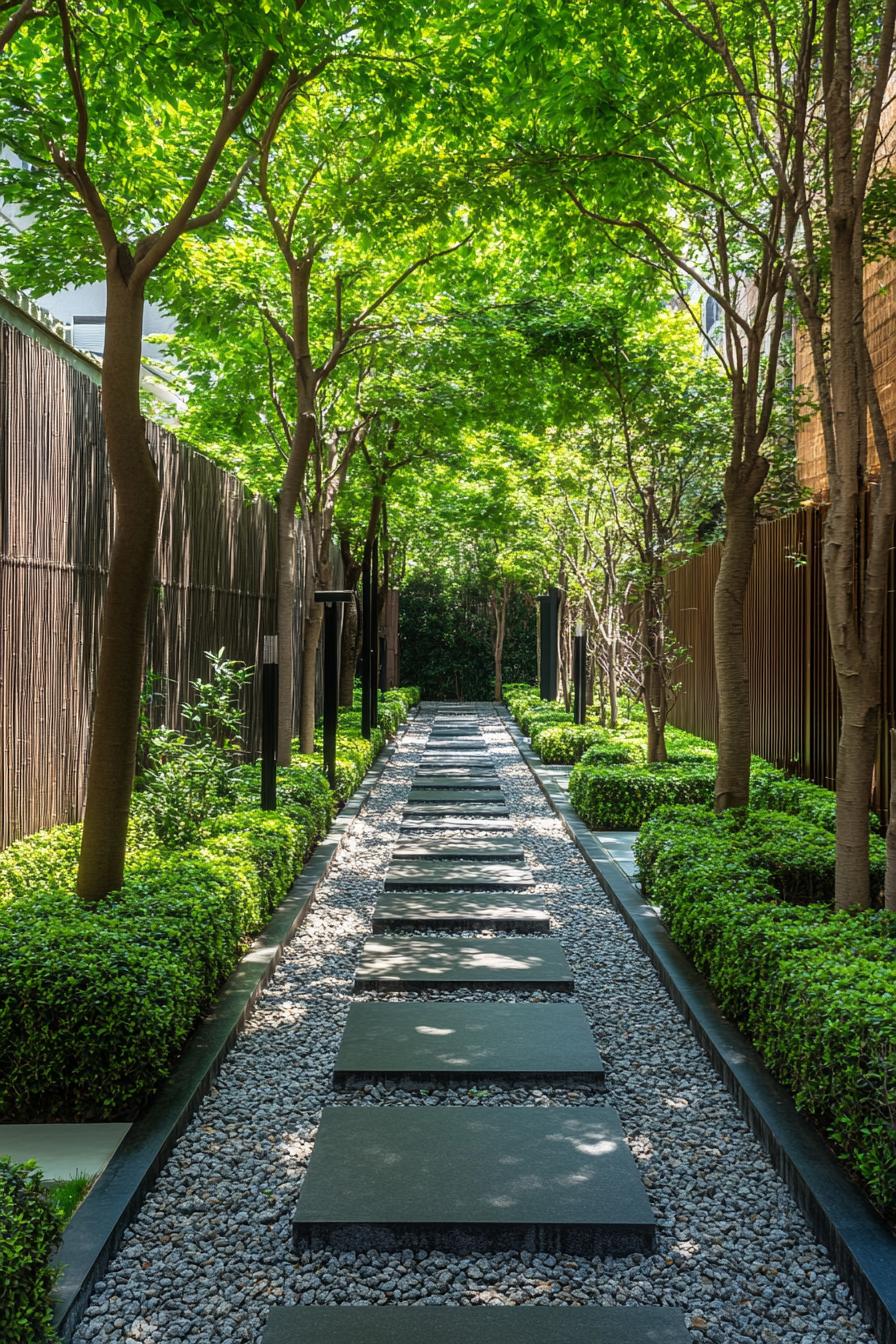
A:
(215, 576)
(794, 702)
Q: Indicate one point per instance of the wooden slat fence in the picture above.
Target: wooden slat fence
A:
(794, 704)
(215, 572)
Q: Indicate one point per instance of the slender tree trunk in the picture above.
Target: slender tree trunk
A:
(890, 884)
(119, 677)
(287, 557)
(307, 695)
(348, 654)
(500, 613)
(612, 679)
(654, 668)
(742, 484)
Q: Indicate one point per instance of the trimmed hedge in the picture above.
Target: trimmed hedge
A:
(814, 988)
(30, 1231)
(623, 797)
(96, 1001)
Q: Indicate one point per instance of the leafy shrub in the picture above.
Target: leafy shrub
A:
(179, 792)
(814, 988)
(30, 1230)
(95, 1001)
(623, 797)
(564, 743)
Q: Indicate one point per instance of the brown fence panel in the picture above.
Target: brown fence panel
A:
(794, 702)
(215, 573)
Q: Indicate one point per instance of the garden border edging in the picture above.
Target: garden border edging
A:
(860, 1244)
(97, 1228)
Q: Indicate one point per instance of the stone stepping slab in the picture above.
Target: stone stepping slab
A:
(510, 1044)
(451, 963)
(549, 1179)
(419, 807)
(460, 847)
(511, 912)
(460, 875)
(475, 1325)
(450, 745)
(459, 793)
(487, 782)
(426, 825)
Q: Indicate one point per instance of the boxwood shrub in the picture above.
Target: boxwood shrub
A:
(30, 1230)
(814, 988)
(96, 1001)
(623, 797)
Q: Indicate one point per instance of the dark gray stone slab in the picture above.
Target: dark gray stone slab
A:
(486, 783)
(455, 794)
(458, 875)
(475, 1325)
(510, 912)
(460, 847)
(446, 963)
(449, 746)
(429, 825)
(457, 1043)
(420, 807)
(550, 1179)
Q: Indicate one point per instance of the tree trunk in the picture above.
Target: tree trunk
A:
(856, 751)
(742, 484)
(500, 613)
(890, 884)
(348, 653)
(654, 668)
(286, 606)
(137, 495)
(307, 695)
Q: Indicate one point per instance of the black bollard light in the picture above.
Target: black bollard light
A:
(270, 676)
(365, 647)
(331, 598)
(549, 610)
(580, 671)
(374, 633)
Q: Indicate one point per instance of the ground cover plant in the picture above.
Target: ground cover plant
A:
(751, 902)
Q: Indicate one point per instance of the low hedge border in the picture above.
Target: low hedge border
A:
(97, 1228)
(860, 1243)
(815, 989)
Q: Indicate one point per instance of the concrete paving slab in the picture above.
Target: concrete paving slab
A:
(62, 1151)
(448, 963)
(510, 912)
(456, 793)
(488, 783)
(457, 1043)
(458, 875)
(428, 825)
(474, 846)
(415, 807)
(476, 1325)
(550, 1179)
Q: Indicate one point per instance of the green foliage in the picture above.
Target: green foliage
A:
(564, 743)
(178, 793)
(65, 1196)
(814, 988)
(447, 643)
(622, 797)
(30, 1230)
(214, 718)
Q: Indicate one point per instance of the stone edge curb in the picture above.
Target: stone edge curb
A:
(96, 1231)
(861, 1246)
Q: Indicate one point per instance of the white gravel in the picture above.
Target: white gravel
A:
(210, 1252)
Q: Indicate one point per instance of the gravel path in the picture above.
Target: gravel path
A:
(210, 1253)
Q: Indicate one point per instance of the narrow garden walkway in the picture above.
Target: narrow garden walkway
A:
(466, 1086)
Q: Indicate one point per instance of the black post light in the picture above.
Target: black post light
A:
(373, 646)
(549, 609)
(365, 646)
(331, 598)
(270, 677)
(580, 671)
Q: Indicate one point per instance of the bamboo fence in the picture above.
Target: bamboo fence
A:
(215, 575)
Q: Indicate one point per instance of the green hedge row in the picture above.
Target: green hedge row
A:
(30, 1229)
(95, 1002)
(813, 988)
